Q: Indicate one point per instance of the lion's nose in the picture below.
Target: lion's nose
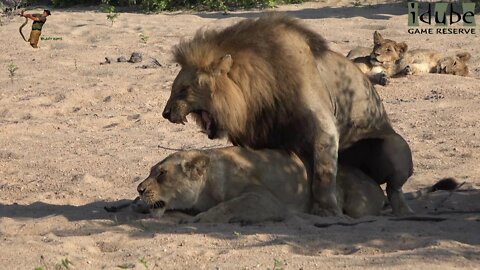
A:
(166, 113)
(140, 189)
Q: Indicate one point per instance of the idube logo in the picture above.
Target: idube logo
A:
(441, 18)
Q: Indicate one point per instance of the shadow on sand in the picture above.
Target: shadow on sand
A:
(374, 12)
(299, 234)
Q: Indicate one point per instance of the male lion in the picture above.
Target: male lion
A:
(236, 184)
(273, 83)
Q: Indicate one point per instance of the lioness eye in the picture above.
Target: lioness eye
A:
(160, 174)
(455, 63)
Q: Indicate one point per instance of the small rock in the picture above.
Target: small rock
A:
(122, 59)
(133, 117)
(153, 64)
(434, 95)
(136, 57)
(108, 60)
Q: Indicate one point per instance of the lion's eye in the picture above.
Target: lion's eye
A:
(455, 63)
(389, 50)
(160, 175)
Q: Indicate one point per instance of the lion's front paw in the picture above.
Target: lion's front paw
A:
(206, 217)
(187, 220)
(408, 70)
(384, 79)
(325, 211)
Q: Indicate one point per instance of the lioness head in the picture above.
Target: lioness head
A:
(385, 51)
(175, 182)
(455, 65)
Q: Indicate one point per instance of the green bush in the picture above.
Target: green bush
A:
(160, 5)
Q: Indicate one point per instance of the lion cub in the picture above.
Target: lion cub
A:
(235, 184)
(455, 65)
(423, 61)
(389, 58)
(380, 65)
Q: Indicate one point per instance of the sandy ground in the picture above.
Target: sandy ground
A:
(76, 136)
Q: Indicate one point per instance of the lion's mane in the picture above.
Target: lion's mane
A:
(261, 108)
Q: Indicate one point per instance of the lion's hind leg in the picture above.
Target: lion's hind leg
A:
(250, 207)
(387, 160)
(397, 152)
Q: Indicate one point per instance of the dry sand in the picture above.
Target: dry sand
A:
(76, 136)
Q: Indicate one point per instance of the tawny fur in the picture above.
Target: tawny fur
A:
(390, 58)
(235, 184)
(273, 83)
(381, 64)
(359, 52)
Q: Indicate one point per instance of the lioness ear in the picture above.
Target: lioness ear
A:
(377, 38)
(402, 48)
(196, 167)
(464, 56)
(223, 67)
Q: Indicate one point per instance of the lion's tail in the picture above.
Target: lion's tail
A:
(443, 184)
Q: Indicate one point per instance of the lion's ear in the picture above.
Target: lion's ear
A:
(224, 65)
(377, 38)
(464, 56)
(196, 167)
(402, 48)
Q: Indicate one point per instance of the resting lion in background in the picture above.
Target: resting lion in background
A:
(236, 184)
(273, 83)
(390, 58)
(381, 63)
(422, 61)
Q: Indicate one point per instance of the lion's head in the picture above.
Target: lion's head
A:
(385, 51)
(175, 182)
(455, 65)
(201, 92)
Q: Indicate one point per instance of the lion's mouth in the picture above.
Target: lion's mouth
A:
(207, 123)
(375, 62)
(158, 205)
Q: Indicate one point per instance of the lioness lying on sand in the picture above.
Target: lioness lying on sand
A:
(389, 58)
(236, 184)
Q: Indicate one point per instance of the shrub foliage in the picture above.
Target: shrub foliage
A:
(160, 5)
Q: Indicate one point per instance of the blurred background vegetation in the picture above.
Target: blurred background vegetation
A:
(159, 5)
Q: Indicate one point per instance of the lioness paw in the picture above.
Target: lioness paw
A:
(187, 220)
(325, 212)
